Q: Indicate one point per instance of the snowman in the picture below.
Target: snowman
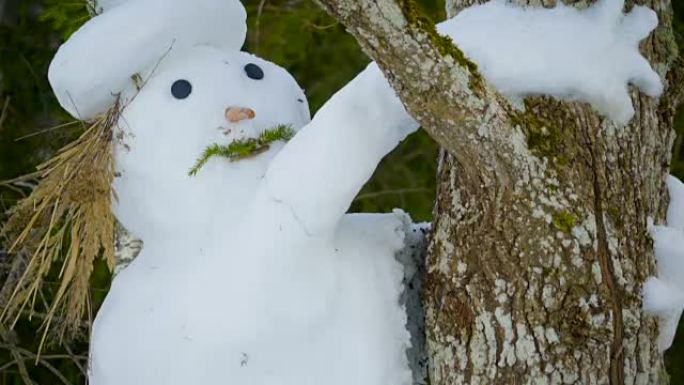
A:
(251, 272)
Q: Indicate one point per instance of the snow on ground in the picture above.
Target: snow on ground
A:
(589, 55)
(664, 295)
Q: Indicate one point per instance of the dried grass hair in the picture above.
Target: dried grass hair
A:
(66, 223)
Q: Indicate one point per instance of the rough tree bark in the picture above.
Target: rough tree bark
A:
(539, 246)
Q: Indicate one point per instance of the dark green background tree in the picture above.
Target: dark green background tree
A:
(293, 33)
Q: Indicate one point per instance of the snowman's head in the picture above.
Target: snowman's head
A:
(184, 86)
(196, 98)
(201, 96)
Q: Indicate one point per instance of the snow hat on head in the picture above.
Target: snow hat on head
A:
(131, 37)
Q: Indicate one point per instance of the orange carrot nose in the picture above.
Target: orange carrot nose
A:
(238, 114)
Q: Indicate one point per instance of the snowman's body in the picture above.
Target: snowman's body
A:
(323, 312)
(251, 273)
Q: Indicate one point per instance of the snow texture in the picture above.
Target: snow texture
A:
(362, 121)
(588, 55)
(251, 272)
(255, 275)
(664, 294)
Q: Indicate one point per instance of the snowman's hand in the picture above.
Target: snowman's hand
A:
(320, 171)
(664, 295)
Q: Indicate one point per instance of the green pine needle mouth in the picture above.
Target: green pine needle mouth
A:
(244, 148)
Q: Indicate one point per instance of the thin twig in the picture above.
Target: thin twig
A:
(75, 359)
(323, 27)
(3, 114)
(391, 192)
(25, 355)
(257, 35)
(47, 130)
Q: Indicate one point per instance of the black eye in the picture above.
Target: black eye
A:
(181, 89)
(253, 71)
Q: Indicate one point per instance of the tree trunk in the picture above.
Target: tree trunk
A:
(537, 278)
(539, 246)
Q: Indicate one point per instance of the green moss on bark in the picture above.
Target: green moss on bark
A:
(544, 139)
(444, 44)
(564, 221)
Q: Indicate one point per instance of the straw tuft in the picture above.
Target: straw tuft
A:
(62, 228)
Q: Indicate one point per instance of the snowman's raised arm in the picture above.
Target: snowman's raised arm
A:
(320, 171)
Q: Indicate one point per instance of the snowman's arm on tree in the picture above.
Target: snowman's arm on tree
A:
(324, 166)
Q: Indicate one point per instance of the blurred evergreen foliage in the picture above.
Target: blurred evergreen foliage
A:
(292, 33)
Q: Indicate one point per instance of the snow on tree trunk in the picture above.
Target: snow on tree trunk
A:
(539, 247)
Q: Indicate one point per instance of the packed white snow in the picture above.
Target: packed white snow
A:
(572, 54)
(352, 131)
(664, 294)
(233, 286)
(251, 273)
